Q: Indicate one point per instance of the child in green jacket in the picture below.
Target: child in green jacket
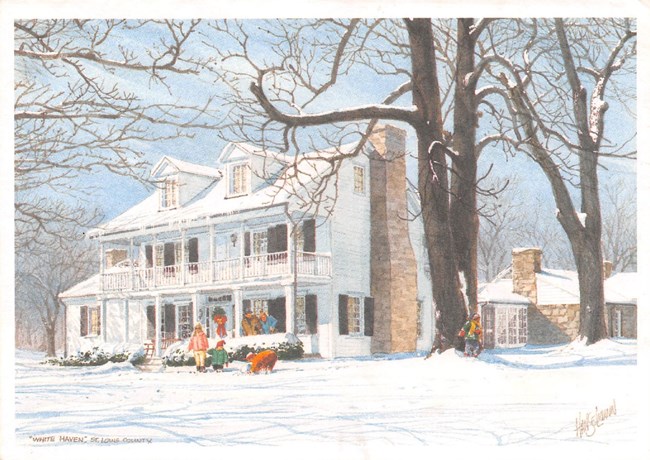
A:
(219, 356)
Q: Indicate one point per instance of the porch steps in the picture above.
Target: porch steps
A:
(153, 364)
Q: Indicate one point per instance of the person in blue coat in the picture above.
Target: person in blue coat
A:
(268, 323)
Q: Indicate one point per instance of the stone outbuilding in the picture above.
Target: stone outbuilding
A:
(530, 304)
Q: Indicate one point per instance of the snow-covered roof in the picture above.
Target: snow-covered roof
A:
(500, 291)
(184, 166)
(86, 288)
(214, 200)
(622, 288)
(556, 287)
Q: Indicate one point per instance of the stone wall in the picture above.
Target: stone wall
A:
(393, 270)
(550, 324)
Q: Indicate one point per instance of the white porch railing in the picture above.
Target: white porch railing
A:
(309, 263)
(218, 271)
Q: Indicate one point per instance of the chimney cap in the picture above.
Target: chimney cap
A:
(522, 250)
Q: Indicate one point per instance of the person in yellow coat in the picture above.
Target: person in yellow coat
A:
(199, 345)
(471, 332)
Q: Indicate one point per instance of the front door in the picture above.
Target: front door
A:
(151, 322)
(168, 326)
(278, 309)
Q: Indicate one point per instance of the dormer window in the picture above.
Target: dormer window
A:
(239, 179)
(169, 194)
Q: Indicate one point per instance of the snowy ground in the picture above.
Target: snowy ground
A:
(525, 397)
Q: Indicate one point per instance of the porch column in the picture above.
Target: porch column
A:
(238, 297)
(157, 323)
(211, 257)
(126, 320)
(103, 319)
(291, 247)
(102, 254)
(153, 257)
(290, 308)
(132, 263)
(183, 256)
(242, 246)
(195, 309)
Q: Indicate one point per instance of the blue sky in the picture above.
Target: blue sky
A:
(115, 194)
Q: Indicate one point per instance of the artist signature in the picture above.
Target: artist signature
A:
(587, 423)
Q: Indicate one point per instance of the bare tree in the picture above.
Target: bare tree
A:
(44, 273)
(79, 109)
(502, 215)
(619, 226)
(556, 92)
(307, 60)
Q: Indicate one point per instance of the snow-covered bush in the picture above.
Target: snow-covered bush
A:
(287, 346)
(97, 356)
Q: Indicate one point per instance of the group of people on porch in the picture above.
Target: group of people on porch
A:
(257, 324)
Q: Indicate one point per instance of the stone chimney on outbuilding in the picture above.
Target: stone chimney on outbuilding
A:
(607, 269)
(393, 270)
(526, 262)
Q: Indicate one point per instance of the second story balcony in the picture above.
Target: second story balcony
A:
(128, 276)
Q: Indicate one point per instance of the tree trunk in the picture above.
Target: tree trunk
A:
(463, 207)
(592, 294)
(50, 332)
(432, 180)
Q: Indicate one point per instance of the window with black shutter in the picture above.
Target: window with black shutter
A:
(368, 316)
(311, 313)
(83, 321)
(193, 254)
(247, 243)
(148, 251)
(343, 314)
(309, 235)
(281, 237)
(272, 240)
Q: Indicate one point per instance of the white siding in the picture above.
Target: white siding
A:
(350, 242)
(74, 342)
(115, 321)
(137, 323)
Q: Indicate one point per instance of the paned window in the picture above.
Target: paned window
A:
(359, 180)
(239, 180)
(260, 242)
(90, 322)
(354, 315)
(301, 316)
(169, 194)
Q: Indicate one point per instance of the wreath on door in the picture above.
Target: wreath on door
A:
(220, 320)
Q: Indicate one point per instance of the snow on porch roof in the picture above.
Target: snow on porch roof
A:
(87, 288)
